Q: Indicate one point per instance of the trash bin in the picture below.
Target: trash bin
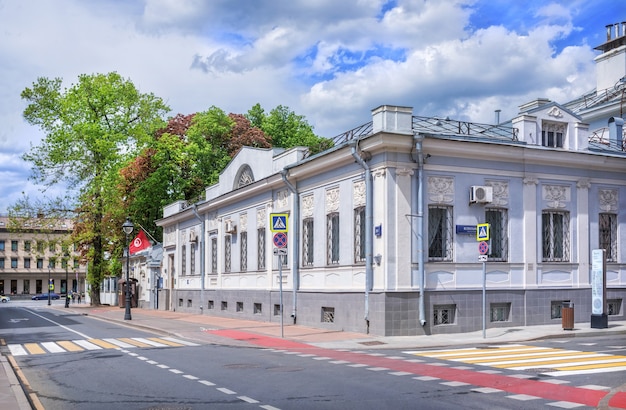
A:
(567, 315)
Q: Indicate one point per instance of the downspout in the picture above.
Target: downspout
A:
(195, 212)
(417, 255)
(369, 229)
(295, 243)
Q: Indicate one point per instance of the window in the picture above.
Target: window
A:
(359, 235)
(614, 307)
(39, 263)
(1, 263)
(27, 246)
(328, 314)
(14, 263)
(64, 263)
(552, 135)
(307, 242)
(14, 246)
(500, 312)
(27, 263)
(2, 245)
(261, 248)
(52, 247)
(444, 314)
(52, 263)
(332, 230)
(498, 221)
(76, 263)
(40, 246)
(243, 249)
(555, 231)
(608, 236)
(192, 262)
(183, 260)
(213, 254)
(440, 233)
(227, 253)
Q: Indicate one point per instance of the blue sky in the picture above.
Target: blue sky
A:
(331, 61)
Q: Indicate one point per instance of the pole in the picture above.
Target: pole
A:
(127, 315)
(49, 283)
(484, 298)
(67, 291)
(280, 284)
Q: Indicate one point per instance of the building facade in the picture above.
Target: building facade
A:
(35, 254)
(381, 229)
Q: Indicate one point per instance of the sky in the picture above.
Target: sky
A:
(332, 61)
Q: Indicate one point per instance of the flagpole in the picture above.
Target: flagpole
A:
(151, 237)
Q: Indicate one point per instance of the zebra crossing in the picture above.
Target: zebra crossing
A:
(80, 345)
(544, 360)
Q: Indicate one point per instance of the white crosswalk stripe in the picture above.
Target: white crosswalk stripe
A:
(551, 361)
(94, 344)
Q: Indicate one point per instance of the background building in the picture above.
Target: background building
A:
(36, 251)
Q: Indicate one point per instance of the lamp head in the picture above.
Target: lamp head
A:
(128, 226)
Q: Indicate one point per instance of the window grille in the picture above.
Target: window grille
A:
(261, 248)
(239, 307)
(332, 221)
(183, 260)
(192, 262)
(440, 230)
(614, 307)
(211, 304)
(500, 312)
(213, 255)
(444, 314)
(224, 305)
(258, 308)
(328, 315)
(359, 234)
(307, 242)
(555, 228)
(608, 236)
(243, 240)
(227, 253)
(499, 244)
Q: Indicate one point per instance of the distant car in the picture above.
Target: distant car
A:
(44, 296)
(4, 299)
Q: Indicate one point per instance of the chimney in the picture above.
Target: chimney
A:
(616, 136)
(623, 28)
(390, 118)
(498, 117)
(608, 32)
(616, 30)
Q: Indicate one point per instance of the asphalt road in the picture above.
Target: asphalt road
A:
(78, 362)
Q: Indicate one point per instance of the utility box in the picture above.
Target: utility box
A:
(121, 293)
(567, 315)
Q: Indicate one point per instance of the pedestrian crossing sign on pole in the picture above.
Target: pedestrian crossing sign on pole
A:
(279, 222)
(482, 232)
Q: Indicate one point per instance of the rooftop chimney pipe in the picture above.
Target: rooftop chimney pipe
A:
(608, 32)
(498, 117)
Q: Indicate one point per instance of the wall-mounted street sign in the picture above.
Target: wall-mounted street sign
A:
(482, 232)
(280, 251)
(280, 240)
(278, 222)
(466, 229)
(482, 258)
(483, 247)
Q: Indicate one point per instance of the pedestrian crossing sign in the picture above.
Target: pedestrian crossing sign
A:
(278, 222)
(482, 232)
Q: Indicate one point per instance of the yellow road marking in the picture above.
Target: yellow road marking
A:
(133, 342)
(69, 346)
(34, 348)
(165, 342)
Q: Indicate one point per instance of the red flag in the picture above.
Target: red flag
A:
(140, 243)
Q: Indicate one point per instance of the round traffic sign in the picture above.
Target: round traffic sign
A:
(483, 248)
(280, 240)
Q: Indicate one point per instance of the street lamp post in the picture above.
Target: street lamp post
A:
(67, 291)
(127, 227)
(49, 282)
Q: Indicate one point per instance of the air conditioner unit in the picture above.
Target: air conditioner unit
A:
(193, 236)
(481, 194)
(229, 227)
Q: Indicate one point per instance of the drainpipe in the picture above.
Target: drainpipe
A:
(417, 255)
(295, 242)
(195, 212)
(369, 229)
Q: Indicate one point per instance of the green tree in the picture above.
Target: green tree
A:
(91, 129)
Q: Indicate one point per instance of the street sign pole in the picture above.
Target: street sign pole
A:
(280, 282)
(484, 299)
(483, 236)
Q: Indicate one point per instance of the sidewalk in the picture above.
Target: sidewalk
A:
(237, 332)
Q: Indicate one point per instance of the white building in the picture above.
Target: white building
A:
(381, 228)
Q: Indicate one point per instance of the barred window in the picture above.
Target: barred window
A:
(500, 312)
(608, 236)
(227, 253)
(332, 230)
(440, 233)
(359, 234)
(192, 262)
(555, 230)
(214, 255)
(498, 222)
(243, 249)
(261, 248)
(307, 242)
(183, 260)
(444, 314)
